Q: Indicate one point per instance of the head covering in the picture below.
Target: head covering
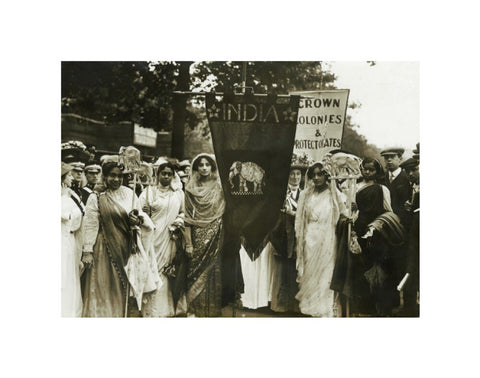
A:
(300, 162)
(409, 163)
(301, 218)
(108, 158)
(393, 151)
(66, 168)
(204, 201)
(184, 163)
(416, 152)
(77, 166)
(93, 168)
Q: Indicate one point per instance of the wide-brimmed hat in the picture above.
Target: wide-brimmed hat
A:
(300, 162)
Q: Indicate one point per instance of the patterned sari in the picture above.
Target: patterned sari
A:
(204, 208)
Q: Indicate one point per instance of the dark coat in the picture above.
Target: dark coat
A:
(400, 192)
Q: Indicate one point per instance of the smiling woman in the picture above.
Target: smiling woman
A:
(109, 242)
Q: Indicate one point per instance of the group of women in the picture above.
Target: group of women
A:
(164, 247)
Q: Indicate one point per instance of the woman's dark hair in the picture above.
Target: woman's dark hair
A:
(319, 165)
(108, 167)
(380, 176)
(210, 160)
(166, 164)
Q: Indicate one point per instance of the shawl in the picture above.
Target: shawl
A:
(389, 226)
(117, 233)
(204, 201)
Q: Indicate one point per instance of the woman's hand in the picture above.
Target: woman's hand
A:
(354, 207)
(133, 218)
(147, 209)
(87, 259)
(189, 249)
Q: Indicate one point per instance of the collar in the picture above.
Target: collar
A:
(395, 173)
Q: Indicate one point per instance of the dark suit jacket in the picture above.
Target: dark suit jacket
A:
(400, 191)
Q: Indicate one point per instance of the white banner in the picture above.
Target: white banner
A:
(320, 122)
(143, 136)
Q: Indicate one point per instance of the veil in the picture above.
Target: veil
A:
(204, 201)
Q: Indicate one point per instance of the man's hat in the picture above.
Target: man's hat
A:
(416, 152)
(66, 168)
(77, 166)
(184, 163)
(393, 151)
(409, 163)
(93, 168)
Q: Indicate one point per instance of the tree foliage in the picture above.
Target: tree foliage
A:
(142, 92)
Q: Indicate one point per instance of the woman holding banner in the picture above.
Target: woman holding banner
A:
(204, 208)
(319, 209)
(109, 242)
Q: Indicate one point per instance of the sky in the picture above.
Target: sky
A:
(389, 96)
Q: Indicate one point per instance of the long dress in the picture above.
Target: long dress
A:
(284, 275)
(317, 216)
(167, 207)
(108, 234)
(71, 215)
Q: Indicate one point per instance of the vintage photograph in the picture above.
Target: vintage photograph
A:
(240, 189)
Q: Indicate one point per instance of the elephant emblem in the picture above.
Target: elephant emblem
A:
(246, 177)
(345, 165)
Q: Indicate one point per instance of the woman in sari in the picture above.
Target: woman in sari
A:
(72, 214)
(319, 209)
(165, 205)
(379, 232)
(111, 227)
(204, 208)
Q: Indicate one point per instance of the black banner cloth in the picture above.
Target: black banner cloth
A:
(253, 138)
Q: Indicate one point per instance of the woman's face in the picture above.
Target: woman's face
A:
(369, 171)
(204, 167)
(67, 180)
(165, 176)
(295, 177)
(114, 179)
(318, 177)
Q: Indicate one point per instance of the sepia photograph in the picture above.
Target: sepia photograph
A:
(246, 176)
(240, 189)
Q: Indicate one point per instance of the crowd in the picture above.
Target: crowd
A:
(151, 245)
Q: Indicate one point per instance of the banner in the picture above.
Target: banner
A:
(321, 118)
(253, 140)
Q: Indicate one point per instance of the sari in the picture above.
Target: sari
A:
(379, 234)
(315, 226)
(167, 207)
(119, 258)
(204, 208)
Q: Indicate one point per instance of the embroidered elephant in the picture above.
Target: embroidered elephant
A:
(246, 177)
